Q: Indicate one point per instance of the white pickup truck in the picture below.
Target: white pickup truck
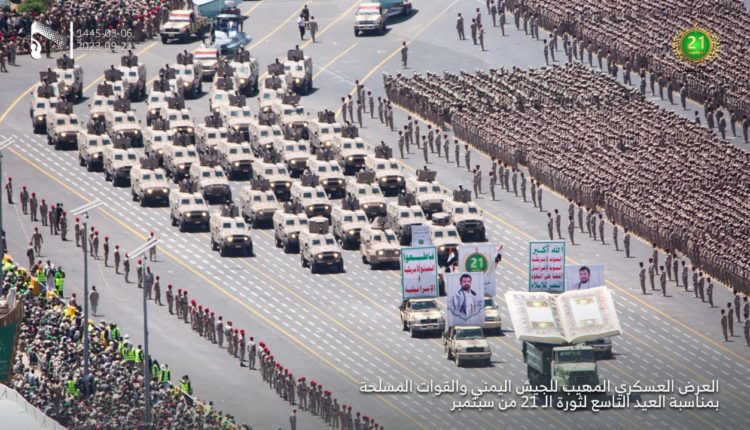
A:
(372, 16)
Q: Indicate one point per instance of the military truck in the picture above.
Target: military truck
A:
(291, 117)
(562, 366)
(103, 101)
(209, 134)
(259, 204)
(229, 233)
(62, 126)
(379, 247)
(122, 125)
(350, 153)
(318, 248)
(421, 316)
(211, 182)
(294, 154)
(208, 58)
(388, 174)
(188, 211)
(266, 98)
(186, 77)
(429, 194)
(602, 347)
(403, 216)
(311, 197)
(445, 238)
(277, 176)
(347, 223)
(134, 77)
(367, 193)
(466, 216)
(492, 320)
(298, 72)
(157, 139)
(235, 158)
(69, 79)
(331, 177)
(237, 117)
(178, 160)
(156, 102)
(91, 150)
(219, 94)
(264, 137)
(287, 225)
(322, 130)
(246, 72)
(183, 25)
(41, 106)
(466, 343)
(117, 165)
(148, 183)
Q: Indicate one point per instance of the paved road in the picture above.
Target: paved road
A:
(343, 329)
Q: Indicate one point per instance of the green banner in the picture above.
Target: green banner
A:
(10, 324)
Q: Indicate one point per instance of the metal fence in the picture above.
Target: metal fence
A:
(43, 420)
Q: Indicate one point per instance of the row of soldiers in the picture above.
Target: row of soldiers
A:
(578, 132)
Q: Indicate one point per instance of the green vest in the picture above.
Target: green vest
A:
(116, 334)
(59, 279)
(138, 355)
(165, 375)
(41, 276)
(70, 388)
(155, 371)
(185, 387)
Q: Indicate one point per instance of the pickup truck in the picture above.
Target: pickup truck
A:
(372, 16)
(421, 315)
(466, 343)
(183, 25)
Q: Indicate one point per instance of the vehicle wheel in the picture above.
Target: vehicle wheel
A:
(381, 31)
(457, 360)
(89, 166)
(223, 251)
(356, 33)
(142, 202)
(304, 262)
(133, 196)
(107, 176)
(448, 353)
(206, 227)
(404, 327)
(341, 267)
(81, 162)
(164, 40)
(278, 242)
(182, 226)
(249, 251)
(287, 248)
(412, 333)
(174, 221)
(364, 259)
(313, 267)
(116, 181)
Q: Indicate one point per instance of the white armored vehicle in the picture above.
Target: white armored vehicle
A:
(211, 182)
(229, 233)
(466, 216)
(287, 224)
(318, 248)
(311, 197)
(379, 247)
(62, 126)
(188, 211)
(259, 204)
(148, 183)
(403, 216)
(117, 165)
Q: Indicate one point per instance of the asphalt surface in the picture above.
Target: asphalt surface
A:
(343, 329)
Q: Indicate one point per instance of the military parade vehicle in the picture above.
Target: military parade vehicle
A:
(157, 138)
(179, 121)
(103, 101)
(492, 320)
(123, 126)
(346, 224)
(226, 30)
(148, 183)
(210, 133)
(466, 344)
(264, 137)
(421, 316)
(294, 154)
(117, 165)
(113, 77)
(370, 17)
(308, 194)
(229, 233)
(298, 72)
(208, 59)
(156, 102)
(331, 177)
(266, 98)
(277, 176)
(134, 77)
(259, 204)
(350, 153)
(379, 246)
(429, 194)
(188, 211)
(403, 216)
(388, 174)
(291, 117)
(178, 160)
(445, 238)
(91, 149)
(367, 193)
(565, 366)
(466, 216)
(318, 248)
(219, 94)
(62, 126)
(69, 79)
(211, 182)
(246, 72)
(322, 130)
(237, 117)
(602, 347)
(287, 225)
(186, 77)
(235, 158)
(184, 25)
(43, 102)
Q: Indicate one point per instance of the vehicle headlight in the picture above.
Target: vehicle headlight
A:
(136, 132)
(67, 87)
(288, 184)
(350, 158)
(319, 256)
(152, 111)
(180, 166)
(40, 117)
(230, 239)
(266, 109)
(245, 239)
(190, 129)
(297, 80)
(242, 80)
(351, 232)
(335, 255)
(442, 248)
(150, 191)
(186, 84)
(236, 164)
(383, 179)
(310, 208)
(399, 179)
(459, 349)
(236, 127)
(63, 134)
(293, 162)
(216, 109)
(160, 152)
(293, 235)
(204, 214)
(398, 252)
(96, 154)
(327, 207)
(164, 190)
(380, 252)
(327, 143)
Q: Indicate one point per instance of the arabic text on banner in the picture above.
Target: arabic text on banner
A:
(419, 272)
(547, 266)
(479, 258)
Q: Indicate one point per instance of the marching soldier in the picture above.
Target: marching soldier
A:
(663, 282)
(642, 277)
(710, 293)
(651, 272)
(626, 243)
(614, 236)
(724, 325)
(549, 226)
(558, 223)
(170, 299)
(24, 200)
(571, 229)
(116, 256)
(33, 205)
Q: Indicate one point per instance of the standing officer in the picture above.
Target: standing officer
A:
(43, 208)
(539, 197)
(614, 236)
(467, 157)
(710, 293)
(157, 292)
(359, 113)
(473, 28)
(460, 27)
(251, 352)
(533, 192)
(478, 178)
(424, 149)
(701, 283)
(152, 250)
(523, 188)
(675, 267)
(25, 200)
(571, 229)
(651, 272)
(33, 205)
(401, 143)
(663, 282)
(626, 244)
(343, 109)
(36, 237)
(170, 299)
(724, 325)
(457, 153)
(64, 226)
(549, 226)
(493, 182)
(601, 229)
(737, 304)
(668, 264)
(77, 232)
(747, 332)
(9, 184)
(655, 255)
(404, 54)
(126, 268)
(558, 223)
(220, 332)
(642, 277)
(480, 35)
(730, 318)
(684, 275)
(116, 256)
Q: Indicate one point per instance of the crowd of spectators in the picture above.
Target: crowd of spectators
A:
(604, 145)
(48, 370)
(640, 34)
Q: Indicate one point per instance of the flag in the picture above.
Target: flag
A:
(452, 258)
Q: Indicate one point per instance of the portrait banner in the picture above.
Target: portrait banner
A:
(479, 258)
(465, 299)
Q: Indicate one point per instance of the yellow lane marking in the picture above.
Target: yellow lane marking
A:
(294, 14)
(97, 80)
(216, 286)
(322, 69)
